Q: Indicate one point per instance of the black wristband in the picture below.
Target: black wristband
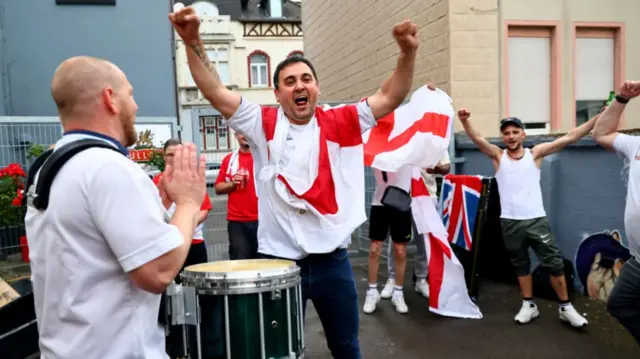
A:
(621, 99)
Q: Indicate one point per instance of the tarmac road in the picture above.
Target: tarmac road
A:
(421, 334)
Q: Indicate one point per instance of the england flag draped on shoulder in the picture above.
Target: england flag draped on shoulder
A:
(417, 134)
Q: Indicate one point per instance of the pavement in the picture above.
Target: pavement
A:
(422, 334)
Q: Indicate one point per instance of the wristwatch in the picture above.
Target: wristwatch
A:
(621, 99)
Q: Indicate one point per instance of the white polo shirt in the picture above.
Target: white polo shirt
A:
(105, 218)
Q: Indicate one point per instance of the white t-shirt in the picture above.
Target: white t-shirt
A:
(105, 219)
(198, 233)
(282, 228)
(628, 147)
(400, 179)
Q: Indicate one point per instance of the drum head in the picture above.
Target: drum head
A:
(225, 276)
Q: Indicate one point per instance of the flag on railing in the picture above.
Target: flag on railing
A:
(448, 294)
(460, 197)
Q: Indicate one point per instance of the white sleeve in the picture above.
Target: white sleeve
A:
(445, 160)
(365, 116)
(626, 146)
(247, 120)
(127, 210)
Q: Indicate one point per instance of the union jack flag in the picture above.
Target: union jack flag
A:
(460, 197)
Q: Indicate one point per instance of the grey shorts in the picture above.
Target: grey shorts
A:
(519, 235)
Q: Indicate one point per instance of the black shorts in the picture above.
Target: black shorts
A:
(385, 219)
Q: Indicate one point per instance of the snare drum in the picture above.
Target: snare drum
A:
(246, 309)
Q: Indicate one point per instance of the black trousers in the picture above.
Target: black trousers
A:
(243, 240)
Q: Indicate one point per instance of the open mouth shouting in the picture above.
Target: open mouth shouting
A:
(301, 101)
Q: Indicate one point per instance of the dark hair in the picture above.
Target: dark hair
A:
(293, 59)
(171, 142)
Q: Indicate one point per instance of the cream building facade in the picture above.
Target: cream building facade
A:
(246, 40)
(552, 63)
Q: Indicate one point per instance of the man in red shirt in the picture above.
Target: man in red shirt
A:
(236, 179)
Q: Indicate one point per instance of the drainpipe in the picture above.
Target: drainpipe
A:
(174, 73)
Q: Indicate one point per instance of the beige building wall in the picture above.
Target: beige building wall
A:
(462, 49)
(353, 50)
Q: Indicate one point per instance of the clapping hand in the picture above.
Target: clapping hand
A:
(184, 180)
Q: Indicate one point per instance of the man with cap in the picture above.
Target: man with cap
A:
(523, 218)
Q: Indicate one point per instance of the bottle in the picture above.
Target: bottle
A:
(612, 96)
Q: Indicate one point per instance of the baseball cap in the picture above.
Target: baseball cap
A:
(513, 121)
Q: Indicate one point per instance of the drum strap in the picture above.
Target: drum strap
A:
(49, 164)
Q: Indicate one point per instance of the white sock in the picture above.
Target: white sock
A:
(373, 286)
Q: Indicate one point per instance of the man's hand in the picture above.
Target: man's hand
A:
(464, 114)
(405, 34)
(431, 86)
(186, 23)
(185, 180)
(630, 89)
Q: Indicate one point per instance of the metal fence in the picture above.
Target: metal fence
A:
(17, 137)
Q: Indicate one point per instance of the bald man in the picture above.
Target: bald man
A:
(102, 253)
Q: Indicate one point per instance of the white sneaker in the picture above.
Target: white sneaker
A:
(370, 302)
(569, 314)
(387, 291)
(398, 302)
(527, 313)
(422, 287)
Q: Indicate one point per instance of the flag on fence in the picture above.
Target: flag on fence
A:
(447, 287)
(416, 133)
(460, 197)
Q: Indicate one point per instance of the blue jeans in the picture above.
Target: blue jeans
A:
(624, 301)
(328, 281)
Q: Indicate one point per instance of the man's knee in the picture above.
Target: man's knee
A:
(400, 250)
(614, 306)
(375, 249)
(555, 265)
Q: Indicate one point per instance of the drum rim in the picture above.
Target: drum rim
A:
(242, 276)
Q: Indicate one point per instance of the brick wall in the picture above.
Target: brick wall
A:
(353, 50)
(475, 62)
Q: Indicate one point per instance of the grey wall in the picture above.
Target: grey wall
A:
(134, 34)
(3, 83)
(583, 186)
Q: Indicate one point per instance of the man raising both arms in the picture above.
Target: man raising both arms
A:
(309, 169)
(523, 218)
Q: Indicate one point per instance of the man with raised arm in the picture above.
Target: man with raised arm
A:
(624, 301)
(309, 169)
(523, 218)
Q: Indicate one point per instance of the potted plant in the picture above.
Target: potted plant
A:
(12, 180)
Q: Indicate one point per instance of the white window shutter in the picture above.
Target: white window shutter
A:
(530, 78)
(594, 68)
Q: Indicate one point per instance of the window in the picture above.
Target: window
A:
(259, 70)
(215, 134)
(598, 63)
(532, 81)
(220, 58)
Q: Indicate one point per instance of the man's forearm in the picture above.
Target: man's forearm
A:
(471, 132)
(582, 130)
(607, 122)
(224, 188)
(202, 70)
(397, 86)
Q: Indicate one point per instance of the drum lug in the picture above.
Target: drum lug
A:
(276, 294)
(183, 304)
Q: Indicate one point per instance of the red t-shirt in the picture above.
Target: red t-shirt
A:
(242, 203)
(206, 206)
